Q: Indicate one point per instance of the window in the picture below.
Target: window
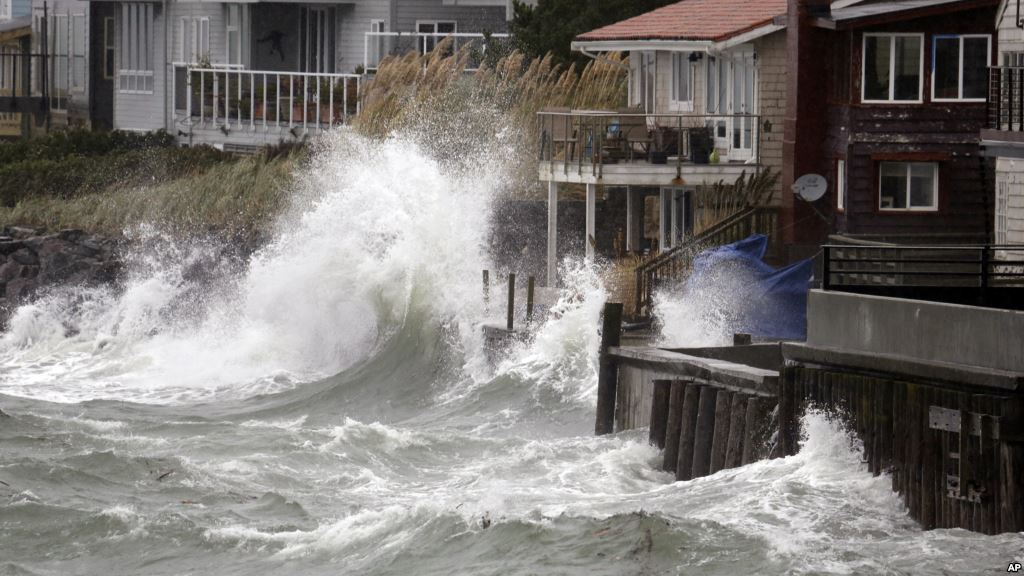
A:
(77, 54)
(960, 67)
(376, 44)
(5, 9)
(841, 185)
(316, 44)
(718, 93)
(108, 48)
(431, 32)
(236, 34)
(892, 67)
(1002, 204)
(58, 41)
(908, 186)
(1015, 59)
(136, 73)
(194, 39)
(643, 74)
(682, 81)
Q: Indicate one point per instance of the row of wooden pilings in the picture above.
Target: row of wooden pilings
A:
(955, 454)
(704, 428)
(510, 310)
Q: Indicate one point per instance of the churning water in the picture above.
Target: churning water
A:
(326, 409)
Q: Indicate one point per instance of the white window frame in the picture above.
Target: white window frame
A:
(376, 47)
(960, 88)
(241, 31)
(1001, 208)
(135, 73)
(193, 39)
(841, 200)
(892, 67)
(78, 42)
(432, 36)
(109, 48)
(681, 61)
(908, 164)
(6, 9)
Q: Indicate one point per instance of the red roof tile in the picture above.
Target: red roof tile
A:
(714, 20)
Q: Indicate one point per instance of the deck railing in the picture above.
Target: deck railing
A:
(983, 275)
(674, 263)
(250, 100)
(378, 45)
(1005, 104)
(49, 80)
(585, 141)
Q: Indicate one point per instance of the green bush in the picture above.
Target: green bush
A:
(66, 143)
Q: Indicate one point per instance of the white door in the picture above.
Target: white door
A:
(743, 107)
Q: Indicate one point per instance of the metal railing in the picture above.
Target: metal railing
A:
(586, 141)
(50, 80)
(250, 100)
(1005, 104)
(984, 275)
(379, 45)
(674, 263)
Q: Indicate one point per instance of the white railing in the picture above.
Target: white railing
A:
(250, 100)
(378, 45)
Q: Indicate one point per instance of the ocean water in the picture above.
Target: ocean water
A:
(327, 409)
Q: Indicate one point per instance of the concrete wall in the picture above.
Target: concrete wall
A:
(928, 331)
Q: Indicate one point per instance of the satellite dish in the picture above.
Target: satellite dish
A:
(810, 187)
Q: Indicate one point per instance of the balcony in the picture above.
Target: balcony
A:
(379, 45)
(249, 108)
(620, 148)
(1003, 134)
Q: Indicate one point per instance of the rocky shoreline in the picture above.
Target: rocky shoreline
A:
(31, 262)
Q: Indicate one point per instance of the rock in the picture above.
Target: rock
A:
(31, 263)
(25, 257)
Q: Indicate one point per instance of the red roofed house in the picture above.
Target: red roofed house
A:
(707, 91)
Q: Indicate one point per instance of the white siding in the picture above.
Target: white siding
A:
(353, 24)
(212, 10)
(469, 18)
(1010, 182)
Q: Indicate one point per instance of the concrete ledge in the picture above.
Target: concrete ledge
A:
(729, 374)
(903, 366)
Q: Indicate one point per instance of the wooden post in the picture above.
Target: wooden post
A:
(752, 423)
(741, 339)
(487, 290)
(720, 437)
(734, 447)
(673, 424)
(607, 376)
(687, 432)
(511, 301)
(789, 427)
(704, 433)
(659, 412)
(529, 298)
(1011, 467)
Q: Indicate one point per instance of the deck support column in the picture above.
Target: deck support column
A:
(663, 240)
(591, 219)
(631, 245)
(552, 280)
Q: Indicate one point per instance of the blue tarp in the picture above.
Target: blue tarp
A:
(762, 301)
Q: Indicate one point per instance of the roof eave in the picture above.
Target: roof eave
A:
(680, 45)
(909, 14)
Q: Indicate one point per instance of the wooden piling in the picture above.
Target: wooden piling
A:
(511, 302)
(687, 431)
(751, 424)
(704, 433)
(659, 412)
(720, 439)
(737, 415)
(487, 290)
(674, 424)
(789, 427)
(530, 282)
(607, 376)
(1011, 454)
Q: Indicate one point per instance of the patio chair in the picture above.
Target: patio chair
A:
(635, 134)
